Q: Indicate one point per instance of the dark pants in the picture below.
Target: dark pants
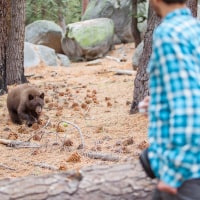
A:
(190, 190)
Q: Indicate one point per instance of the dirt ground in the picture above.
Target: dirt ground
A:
(86, 116)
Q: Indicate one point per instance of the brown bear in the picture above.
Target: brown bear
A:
(25, 102)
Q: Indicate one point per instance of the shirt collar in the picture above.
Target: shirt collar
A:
(178, 12)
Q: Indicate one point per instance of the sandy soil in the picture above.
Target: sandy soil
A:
(83, 99)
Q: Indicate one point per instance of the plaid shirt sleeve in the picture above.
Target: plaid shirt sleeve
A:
(174, 128)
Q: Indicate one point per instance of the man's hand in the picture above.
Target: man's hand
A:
(144, 105)
(166, 188)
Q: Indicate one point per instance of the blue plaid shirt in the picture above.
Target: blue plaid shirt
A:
(174, 110)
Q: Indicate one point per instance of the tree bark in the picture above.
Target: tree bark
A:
(15, 47)
(192, 4)
(61, 14)
(135, 31)
(141, 81)
(125, 181)
(84, 5)
(4, 21)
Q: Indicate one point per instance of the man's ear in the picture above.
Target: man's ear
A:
(156, 1)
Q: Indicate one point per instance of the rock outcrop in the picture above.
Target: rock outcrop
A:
(119, 11)
(87, 40)
(44, 32)
(36, 54)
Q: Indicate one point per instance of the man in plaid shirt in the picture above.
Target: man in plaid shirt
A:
(174, 103)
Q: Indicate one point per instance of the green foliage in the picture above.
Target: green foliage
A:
(73, 13)
(52, 9)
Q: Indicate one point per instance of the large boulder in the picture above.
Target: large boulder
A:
(37, 54)
(88, 40)
(119, 11)
(44, 32)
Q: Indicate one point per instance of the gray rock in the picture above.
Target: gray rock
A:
(44, 32)
(120, 12)
(47, 55)
(64, 60)
(36, 54)
(31, 57)
(89, 39)
(137, 54)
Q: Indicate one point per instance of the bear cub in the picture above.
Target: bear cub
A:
(25, 103)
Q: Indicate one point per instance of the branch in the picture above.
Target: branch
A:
(124, 72)
(82, 145)
(19, 144)
(116, 59)
(6, 167)
(102, 156)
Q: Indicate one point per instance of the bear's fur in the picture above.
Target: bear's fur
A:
(25, 103)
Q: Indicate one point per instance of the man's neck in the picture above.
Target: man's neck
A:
(167, 8)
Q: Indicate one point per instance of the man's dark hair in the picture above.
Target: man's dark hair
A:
(174, 1)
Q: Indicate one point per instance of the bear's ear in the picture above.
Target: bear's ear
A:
(42, 95)
(30, 97)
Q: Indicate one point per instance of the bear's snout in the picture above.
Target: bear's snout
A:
(38, 109)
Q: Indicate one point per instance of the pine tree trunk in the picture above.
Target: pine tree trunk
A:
(15, 47)
(84, 5)
(192, 4)
(141, 81)
(134, 27)
(61, 14)
(4, 21)
(116, 182)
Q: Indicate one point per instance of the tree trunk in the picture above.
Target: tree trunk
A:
(125, 181)
(134, 27)
(61, 20)
(192, 4)
(141, 81)
(61, 14)
(84, 5)
(4, 21)
(15, 47)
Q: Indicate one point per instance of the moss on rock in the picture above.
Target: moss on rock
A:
(90, 33)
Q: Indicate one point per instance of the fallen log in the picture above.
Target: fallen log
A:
(120, 181)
